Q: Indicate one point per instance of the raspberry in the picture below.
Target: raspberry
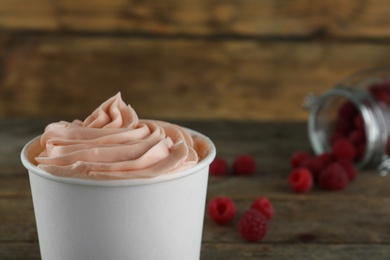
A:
(298, 158)
(253, 225)
(381, 92)
(263, 205)
(244, 165)
(335, 137)
(300, 180)
(359, 122)
(325, 159)
(343, 149)
(314, 165)
(347, 110)
(349, 169)
(219, 167)
(343, 127)
(221, 210)
(357, 136)
(333, 178)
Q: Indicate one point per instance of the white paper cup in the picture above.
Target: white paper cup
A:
(158, 218)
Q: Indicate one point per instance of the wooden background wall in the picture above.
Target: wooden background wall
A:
(184, 59)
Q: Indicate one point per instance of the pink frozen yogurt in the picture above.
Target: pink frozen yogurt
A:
(112, 143)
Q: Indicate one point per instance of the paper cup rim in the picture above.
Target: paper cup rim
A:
(32, 168)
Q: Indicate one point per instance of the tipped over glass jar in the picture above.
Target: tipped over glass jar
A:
(356, 109)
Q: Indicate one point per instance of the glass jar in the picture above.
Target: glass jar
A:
(356, 109)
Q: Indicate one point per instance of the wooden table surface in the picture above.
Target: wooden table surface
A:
(351, 224)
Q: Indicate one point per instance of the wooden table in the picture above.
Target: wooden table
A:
(351, 224)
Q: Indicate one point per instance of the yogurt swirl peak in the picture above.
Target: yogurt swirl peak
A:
(112, 143)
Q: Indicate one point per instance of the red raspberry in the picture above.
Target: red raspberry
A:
(343, 127)
(244, 165)
(325, 159)
(357, 136)
(253, 225)
(263, 205)
(333, 178)
(314, 165)
(222, 210)
(347, 110)
(335, 137)
(298, 158)
(219, 167)
(359, 122)
(381, 92)
(349, 169)
(343, 149)
(300, 180)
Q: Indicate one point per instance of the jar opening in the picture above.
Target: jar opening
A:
(346, 113)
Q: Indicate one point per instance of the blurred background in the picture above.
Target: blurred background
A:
(184, 59)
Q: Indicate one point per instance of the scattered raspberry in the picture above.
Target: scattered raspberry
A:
(314, 165)
(219, 167)
(263, 205)
(333, 170)
(333, 178)
(222, 210)
(253, 225)
(349, 169)
(325, 159)
(298, 158)
(244, 165)
(300, 180)
(343, 149)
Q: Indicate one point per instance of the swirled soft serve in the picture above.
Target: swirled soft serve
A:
(112, 143)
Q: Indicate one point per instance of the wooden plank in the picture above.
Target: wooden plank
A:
(254, 251)
(68, 77)
(297, 217)
(20, 251)
(17, 221)
(20, 185)
(217, 251)
(199, 18)
(315, 216)
(14, 134)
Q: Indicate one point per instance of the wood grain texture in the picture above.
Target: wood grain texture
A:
(234, 65)
(317, 225)
(351, 18)
(222, 251)
(212, 251)
(20, 251)
(69, 76)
